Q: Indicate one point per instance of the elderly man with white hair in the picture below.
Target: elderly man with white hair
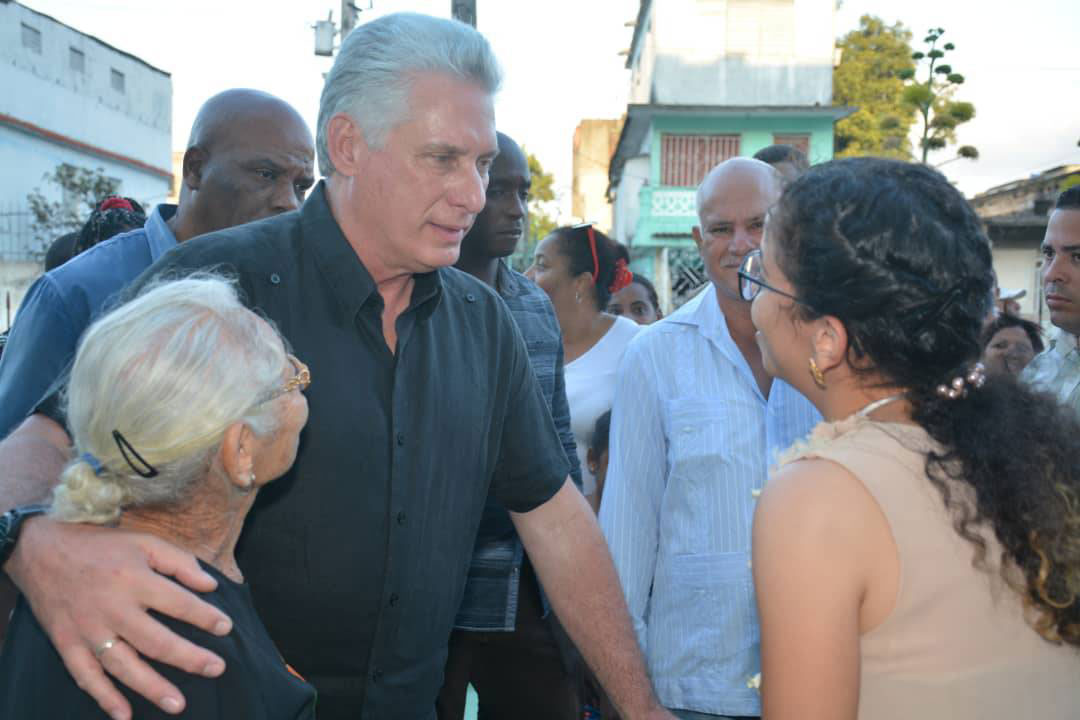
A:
(695, 425)
(182, 404)
(426, 401)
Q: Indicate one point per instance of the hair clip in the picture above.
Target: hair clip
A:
(958, 388)
(147, 470)
(623, 276)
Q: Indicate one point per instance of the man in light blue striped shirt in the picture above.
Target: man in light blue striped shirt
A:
(695, 426)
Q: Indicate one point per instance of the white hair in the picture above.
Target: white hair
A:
(170, 370)
(370, 79)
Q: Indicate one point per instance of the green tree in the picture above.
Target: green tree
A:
(541, 218)
(934, 101)
(874, 60)
(80, 191)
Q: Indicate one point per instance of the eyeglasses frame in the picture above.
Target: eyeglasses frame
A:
(758, 283)
(301, 381)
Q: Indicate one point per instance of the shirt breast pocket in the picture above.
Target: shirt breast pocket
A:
(700, 436)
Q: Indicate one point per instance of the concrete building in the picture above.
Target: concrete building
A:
(713, 79)
(1015, 215)
(71, 98)
(594, 144)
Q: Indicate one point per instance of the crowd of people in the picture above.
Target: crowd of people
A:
(298, 450)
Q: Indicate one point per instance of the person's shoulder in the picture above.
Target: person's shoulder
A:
(247, 247)
(460, 286)
(626, 329)
(658, 336)
(813, 496)
(127, 249)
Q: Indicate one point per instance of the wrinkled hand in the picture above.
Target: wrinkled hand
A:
(88, 585)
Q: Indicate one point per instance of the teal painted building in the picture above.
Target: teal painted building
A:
(764, 77)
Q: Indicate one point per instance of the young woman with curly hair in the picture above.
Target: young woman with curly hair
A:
(919, 555)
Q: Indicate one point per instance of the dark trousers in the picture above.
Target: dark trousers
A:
(518, 675)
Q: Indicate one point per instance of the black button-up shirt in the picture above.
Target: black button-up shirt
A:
(357, 557)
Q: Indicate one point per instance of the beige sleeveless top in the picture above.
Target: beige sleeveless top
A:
(956, 646)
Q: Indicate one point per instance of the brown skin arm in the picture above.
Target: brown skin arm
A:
(565, 545)
(89, 584)
(825, 571)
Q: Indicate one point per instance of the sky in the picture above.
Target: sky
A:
(561, 64)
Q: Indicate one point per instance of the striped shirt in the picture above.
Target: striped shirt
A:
(692, 438)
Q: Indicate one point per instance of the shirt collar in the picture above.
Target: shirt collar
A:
(1061, 342)
(508, 282)
(159, 236)
(350, 282)
(704, 313)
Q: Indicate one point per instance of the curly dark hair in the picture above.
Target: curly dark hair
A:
(896, 254)
(1007, 320)
(103, 224)
(574, 245)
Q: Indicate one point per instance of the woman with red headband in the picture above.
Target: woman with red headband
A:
(580, 268)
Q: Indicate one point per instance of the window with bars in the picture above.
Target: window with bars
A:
(684, 159)
(31, 38)
(799, 141)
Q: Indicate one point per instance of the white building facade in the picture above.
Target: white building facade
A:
(713, 79)
(71, 98)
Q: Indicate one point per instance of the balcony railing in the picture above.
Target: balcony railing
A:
(666, 217)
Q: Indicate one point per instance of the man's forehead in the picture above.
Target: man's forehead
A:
(1063, 228)
(510, 167)
(735, 209)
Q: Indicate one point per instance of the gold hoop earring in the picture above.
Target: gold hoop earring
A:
(815, 372)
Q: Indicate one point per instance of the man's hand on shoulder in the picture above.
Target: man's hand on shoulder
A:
(90, 588)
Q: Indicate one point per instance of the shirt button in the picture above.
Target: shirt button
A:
(400, 439)
(470, 297)
(401, 518)
(275, 279)
(393, 599)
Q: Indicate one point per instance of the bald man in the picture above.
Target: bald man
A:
(250, 156)
(695, 425)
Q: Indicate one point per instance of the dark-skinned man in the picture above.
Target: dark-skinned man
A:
(502, 642)
(250, 156)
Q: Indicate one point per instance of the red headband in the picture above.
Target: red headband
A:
(115, 201)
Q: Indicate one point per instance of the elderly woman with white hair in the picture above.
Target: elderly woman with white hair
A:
(181, 404)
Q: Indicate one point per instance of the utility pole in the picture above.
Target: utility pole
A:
(348, 17)
(464, 10)
(326, 30)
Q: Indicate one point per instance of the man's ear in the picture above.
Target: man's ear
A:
(696, 232)
(194, 162)
(830, 342)
(346, 144)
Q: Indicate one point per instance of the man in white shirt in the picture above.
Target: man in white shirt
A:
(695, 425)
(1057, 369)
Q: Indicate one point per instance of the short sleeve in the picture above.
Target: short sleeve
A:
(40, 346)
(532, 463)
